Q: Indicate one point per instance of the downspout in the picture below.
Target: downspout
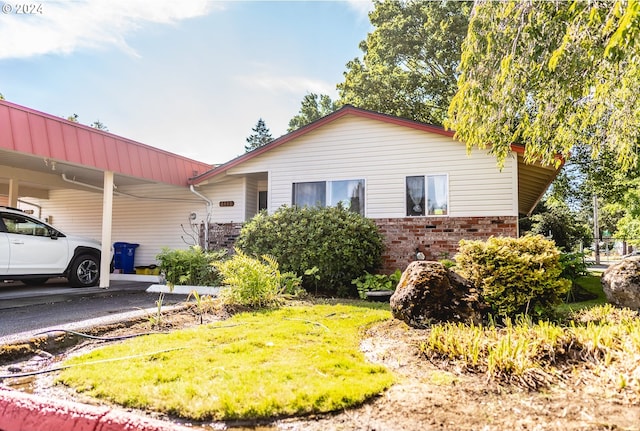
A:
(209, 211)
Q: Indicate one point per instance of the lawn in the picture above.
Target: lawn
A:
(290, 361)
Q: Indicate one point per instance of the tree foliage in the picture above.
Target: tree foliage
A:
(554, 220)
(410, 59)
(313, 107)
(261, 136)
(550, 75)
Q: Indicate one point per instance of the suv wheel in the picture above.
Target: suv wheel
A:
(85, 271)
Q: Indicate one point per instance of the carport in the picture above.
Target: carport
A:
(40, 152)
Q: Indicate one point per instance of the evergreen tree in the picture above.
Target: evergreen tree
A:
(261, 136)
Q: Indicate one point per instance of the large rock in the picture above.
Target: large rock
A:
(428, 292)
(621, 283)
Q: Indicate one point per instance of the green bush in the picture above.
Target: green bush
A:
(341, 244)
(515, 275)
(251, 282)
(369, 282)
(190, 266)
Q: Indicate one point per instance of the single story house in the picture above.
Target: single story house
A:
(413, 179)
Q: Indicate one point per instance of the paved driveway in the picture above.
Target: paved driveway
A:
(26, 310)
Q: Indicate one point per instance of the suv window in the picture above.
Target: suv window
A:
(23, 225)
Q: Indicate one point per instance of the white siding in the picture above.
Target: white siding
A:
(251, 198)
(151, 223)
(233, 189)
(383, 155)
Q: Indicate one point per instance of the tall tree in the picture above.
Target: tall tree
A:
(410, 59)
(261, 136)
(550, 75)
(312, 108)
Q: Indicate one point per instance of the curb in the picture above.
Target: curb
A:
(25, 412)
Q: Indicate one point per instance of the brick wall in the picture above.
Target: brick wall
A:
(221, 235)
(436, 237)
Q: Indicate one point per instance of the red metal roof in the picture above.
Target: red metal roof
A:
(32, 132)
(345, 110)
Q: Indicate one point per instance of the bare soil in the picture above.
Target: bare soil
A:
(428, 395)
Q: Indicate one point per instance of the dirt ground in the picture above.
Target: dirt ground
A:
(432, 396)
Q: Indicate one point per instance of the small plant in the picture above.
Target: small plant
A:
(156, 320)
(376, 282)
(251, 282)
(204, 304)
(191, 266)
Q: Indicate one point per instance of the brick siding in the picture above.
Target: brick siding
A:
(221, 235)
(436, 237)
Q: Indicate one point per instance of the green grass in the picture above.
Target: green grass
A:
(290, 361)
(591, 284)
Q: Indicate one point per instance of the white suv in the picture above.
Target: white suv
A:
(33, 251)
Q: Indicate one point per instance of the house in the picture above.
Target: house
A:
(414, 180)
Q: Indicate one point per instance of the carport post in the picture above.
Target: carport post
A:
(13, 193)
(107, 215)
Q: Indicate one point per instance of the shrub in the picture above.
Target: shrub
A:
(191, 266)
(370, 282)
(251, 282)
(515, 275)
(341, 244)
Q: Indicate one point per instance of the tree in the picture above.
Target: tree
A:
(549, 75)
(1, 96)
(99, 125)
(312, 108)
(73, 118)
(410, 59)
(261, 136)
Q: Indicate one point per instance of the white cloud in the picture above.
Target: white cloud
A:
(362, 7)
(296, 85)
(63, 27)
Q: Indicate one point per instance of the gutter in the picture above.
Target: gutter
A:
(91, 186)
(209, 211)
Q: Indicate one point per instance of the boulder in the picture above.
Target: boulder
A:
(621, 283)
(428, 292)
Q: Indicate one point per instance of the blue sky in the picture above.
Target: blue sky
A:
(189, 76)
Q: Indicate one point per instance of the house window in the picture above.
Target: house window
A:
(348, 193)
(427, 195)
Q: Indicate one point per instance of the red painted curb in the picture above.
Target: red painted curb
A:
(25, 412)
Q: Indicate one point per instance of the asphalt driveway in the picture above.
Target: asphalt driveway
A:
(26, 310)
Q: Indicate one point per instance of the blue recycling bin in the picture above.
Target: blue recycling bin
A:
(124, 254)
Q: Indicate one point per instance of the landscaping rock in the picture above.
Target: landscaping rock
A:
(428, 292)
(621, 283)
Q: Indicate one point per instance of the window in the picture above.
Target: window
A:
(348, 193)
(427, 195)
(24, 226)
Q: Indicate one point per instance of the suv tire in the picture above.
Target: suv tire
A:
(84, 271)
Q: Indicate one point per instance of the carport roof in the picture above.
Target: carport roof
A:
(25, 131)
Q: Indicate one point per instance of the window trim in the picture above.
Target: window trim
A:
(327, 188)
(426, 194)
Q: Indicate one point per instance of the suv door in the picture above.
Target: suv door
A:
(4, 251)
(34, 247)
